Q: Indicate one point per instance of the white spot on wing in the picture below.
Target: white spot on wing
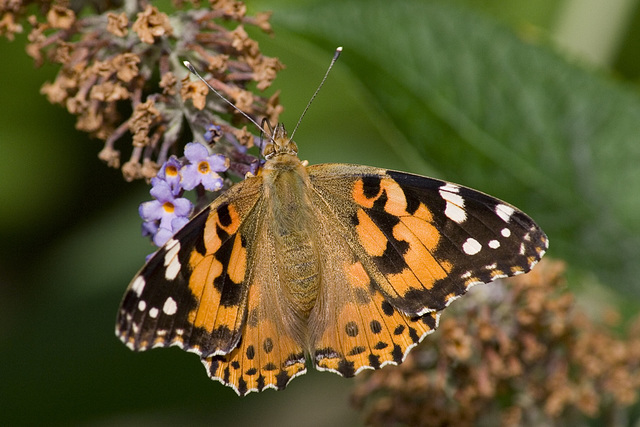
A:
(171, 261)
(451, 188)
(153, 313)
(505, 232)
(504, 212)
(455, 203)
(138, 285)
(142, 305)
(170, 307)
(471, 246)
(494, 244)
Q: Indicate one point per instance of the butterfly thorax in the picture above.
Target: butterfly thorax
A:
(286, 190)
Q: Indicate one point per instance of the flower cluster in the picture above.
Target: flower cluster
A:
(169, 211)
(128, 61)
(518, 352)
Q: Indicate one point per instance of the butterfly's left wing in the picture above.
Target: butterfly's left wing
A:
(410, 245)
(192, 291)
(212, 290)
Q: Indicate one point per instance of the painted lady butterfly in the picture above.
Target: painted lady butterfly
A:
(350, 265)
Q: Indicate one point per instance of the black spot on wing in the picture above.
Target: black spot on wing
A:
(251, 352)
(397, 354)
(370, 186)
(351, 329)
(242, 386)
(380, 345)
(357, 350)
(223, 215)
(198, 223)
(387, 308)
(346, 368)
(282, 378)
(375, 326)
(231, 293)
(267, 345)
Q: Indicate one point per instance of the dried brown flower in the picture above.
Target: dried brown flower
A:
(518, 352)
(107, 73)
(118, 24)
(8, 25)
(151, 23)
(60, 17)
(196, 91)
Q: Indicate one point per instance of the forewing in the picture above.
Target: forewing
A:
(192, 293)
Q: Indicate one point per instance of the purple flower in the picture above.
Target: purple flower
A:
(166, 214)
(170, 172)
(202, 168)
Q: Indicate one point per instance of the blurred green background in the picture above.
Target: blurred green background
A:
(534, 102)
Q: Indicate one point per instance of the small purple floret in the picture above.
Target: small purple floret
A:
(202, 168)
(170, 172)
(166, 215)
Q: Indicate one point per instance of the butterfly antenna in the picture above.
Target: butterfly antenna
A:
(333, 61)
(192, 69)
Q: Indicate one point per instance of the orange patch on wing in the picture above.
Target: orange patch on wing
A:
(371, 237)
(424, 231)
(227, 316)
(404, 281)
(211, 240)
(237, 261)
(396, 200)
(419, 257)
(201, 286)
(423, 213)
(359, 197)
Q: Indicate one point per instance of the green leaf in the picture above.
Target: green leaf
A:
(504, 116)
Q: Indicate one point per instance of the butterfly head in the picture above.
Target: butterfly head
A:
(280, 143)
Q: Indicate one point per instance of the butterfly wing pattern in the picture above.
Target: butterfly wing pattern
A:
(348, 265)
(417, 244)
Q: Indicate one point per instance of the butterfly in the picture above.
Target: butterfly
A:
(349, 266)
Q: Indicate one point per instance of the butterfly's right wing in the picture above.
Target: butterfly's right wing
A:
(426, 241)
(403, 247)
